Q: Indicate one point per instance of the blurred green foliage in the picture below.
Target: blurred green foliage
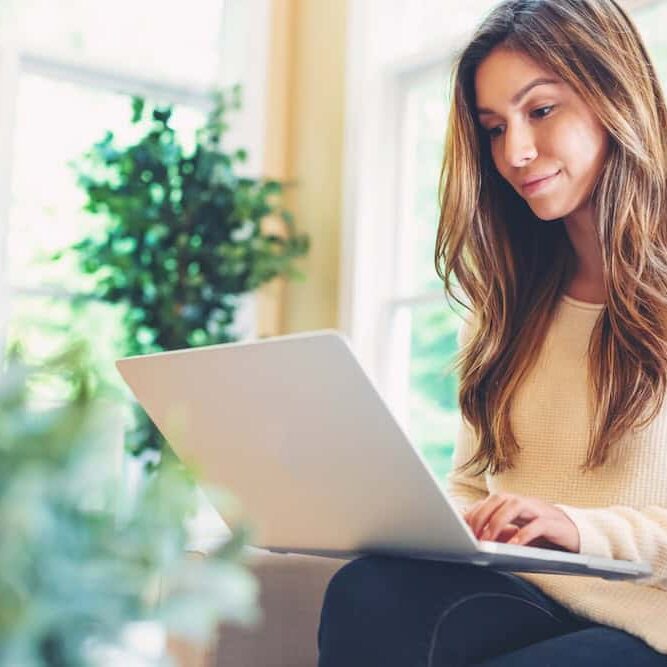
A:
(433, 349)
(433, 384)
(78, 567)
(183, 239)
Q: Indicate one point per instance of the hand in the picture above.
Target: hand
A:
(523, 520)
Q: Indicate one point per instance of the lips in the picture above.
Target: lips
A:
(535, 183)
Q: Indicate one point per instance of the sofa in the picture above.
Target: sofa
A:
(292, 589)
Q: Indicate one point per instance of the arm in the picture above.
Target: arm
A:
(625, 533)
(618, 531)
(463, 488)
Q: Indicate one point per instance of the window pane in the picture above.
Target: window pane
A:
(45, 325)
(425, 336)
(56, 123)
(422, 141)
(176, 42)
(46, 215)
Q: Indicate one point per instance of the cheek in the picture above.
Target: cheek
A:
(583, 150)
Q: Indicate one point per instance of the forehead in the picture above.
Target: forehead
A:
(503, 73)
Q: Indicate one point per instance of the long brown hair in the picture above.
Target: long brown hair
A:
(510, 268)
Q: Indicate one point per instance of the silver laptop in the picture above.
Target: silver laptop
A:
(297, 431)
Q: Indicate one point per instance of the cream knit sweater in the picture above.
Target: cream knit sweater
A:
(619, 509)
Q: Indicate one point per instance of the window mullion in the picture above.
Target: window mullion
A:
(108, 79)
(9, 72)
(54, 292)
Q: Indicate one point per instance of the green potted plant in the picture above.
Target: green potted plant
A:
(184, 238)
(80, 572)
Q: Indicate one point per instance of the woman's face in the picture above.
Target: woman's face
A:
(539, 130)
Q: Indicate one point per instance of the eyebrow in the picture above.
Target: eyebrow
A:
(515, 100)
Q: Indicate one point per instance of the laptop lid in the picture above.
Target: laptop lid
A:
(294, 428)
(297, 431)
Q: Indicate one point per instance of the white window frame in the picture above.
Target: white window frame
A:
(370, 225)
(243, 61)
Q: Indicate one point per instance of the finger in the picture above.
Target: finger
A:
(507, 533)
(502, 516)
(513, 511)
(543, 543)
(476, 512)
(480, 516)
(531, 531)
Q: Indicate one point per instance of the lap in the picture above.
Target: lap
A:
(396, 611)
(383, 582)
(410, 611)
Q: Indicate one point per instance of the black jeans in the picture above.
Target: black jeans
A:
(382, 611)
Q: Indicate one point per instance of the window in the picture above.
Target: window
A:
(66, 80)
(67, 72)
(423, 330)
(46, 212)
(170, 44)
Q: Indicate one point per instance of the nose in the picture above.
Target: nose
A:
(520, 146)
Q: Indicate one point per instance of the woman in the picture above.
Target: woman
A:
(554, 226)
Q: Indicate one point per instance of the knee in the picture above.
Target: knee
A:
(357, 587)
(355, 612)
(373, 595)
(353, 606)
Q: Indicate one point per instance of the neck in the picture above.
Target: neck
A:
(587, 282)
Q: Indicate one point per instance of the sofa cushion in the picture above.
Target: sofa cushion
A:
(292, 590)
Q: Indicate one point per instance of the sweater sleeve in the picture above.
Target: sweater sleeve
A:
(464, 489)
(625, 533)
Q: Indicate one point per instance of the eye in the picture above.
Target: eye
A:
(494, 131)
(547, 108)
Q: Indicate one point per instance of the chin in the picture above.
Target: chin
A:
(555, 218)
(547, 215)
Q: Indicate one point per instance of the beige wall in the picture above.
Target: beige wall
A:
(304, 143)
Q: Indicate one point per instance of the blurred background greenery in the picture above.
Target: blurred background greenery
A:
(182, 238)
(88, 572)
